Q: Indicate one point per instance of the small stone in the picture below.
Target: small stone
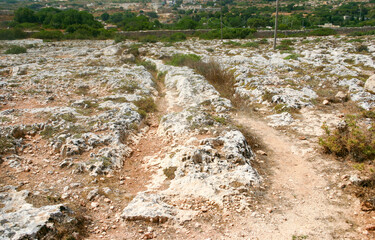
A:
(370, 228)
(64, 195)
(92, 194)
(341, 96)
(260, 152)
(94, 204)
(325, 102)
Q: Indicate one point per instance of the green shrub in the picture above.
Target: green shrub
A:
(263, 41)
(150, 66)
(145, 105)
(149, 39)
(5, 144)
(366, 33)
(14, 49)
(232, 43)
(11, 34)
(350, 140)
(322, 32)
(287, 42)
(284, 47)
(292, 56)
(176, 37)
(251, 44)
(362, 48)
(119, 38)
(49, 35)
(368, 114)
(184, 59)
(83, 31)
(229, 33)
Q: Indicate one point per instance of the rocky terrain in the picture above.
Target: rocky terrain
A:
(99, 141)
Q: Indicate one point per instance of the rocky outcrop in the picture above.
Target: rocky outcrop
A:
(370, 84)
(20, 220)
(148, 207)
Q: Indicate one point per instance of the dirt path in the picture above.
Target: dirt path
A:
(299, 203)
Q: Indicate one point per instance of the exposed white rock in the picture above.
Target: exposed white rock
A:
(20, 220)
(282, 119)
(370, 84)
(111, 50)
(148, 207)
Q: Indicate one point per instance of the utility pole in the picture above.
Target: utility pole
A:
(221, 20)
(276, 17)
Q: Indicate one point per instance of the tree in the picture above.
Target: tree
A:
(23, 15)
(104, 16)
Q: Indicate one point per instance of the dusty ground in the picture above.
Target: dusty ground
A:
(300, 195)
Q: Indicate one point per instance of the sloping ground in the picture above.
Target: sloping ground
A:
(86, 135)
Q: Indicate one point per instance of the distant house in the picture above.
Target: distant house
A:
(110, 26)
(329, 25)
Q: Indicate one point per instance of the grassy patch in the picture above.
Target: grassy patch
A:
(284, 47)
(292, 56)
(146, 105)
(251, 45)
(220, 120)
(170, 172)
(5, 119)
(69, 117)
(128, 87)
(14, 49)
(232, 43)
(267, 96)
(222, 79)
(184, 59)
(362, 48)
(5, 144)
(82, 90)
(350, 140)
(150, 66)
(49, 132)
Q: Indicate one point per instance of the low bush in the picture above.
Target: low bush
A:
(49, 35)
(14, 49)
(287, 42)
(232, 43)
(292, 56)
(150, 66)
(251, 44)
(229, 33)
(284, 47)
(11, 34)
(350, 139)
(5, 144)
(263, 41)
(362, 48)
(322, 32)
(146, 105)
(184, 60)
(366, 33)
(176, 37)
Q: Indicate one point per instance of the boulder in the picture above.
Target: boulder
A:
(370, 84)
(111, 50)
(19, 70)
(21, 220)
(128, 58)
(341, 96)
(148, 207)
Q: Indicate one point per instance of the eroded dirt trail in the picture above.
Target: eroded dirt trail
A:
(298, 204)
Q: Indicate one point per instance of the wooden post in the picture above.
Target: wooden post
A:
(276, 17)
